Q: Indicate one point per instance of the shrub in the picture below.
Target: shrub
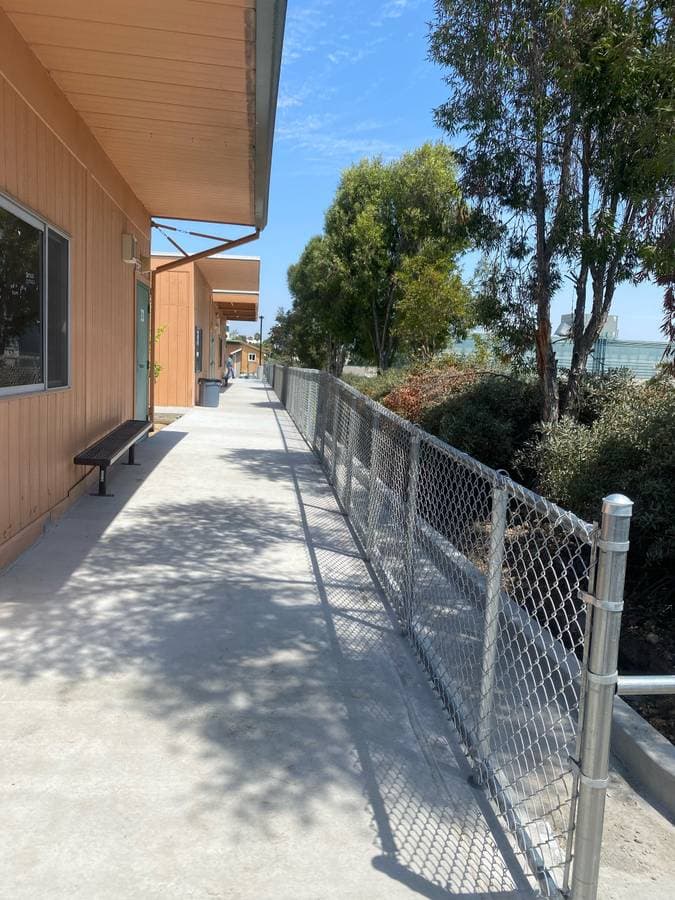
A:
(599, 391)
(628, 448)
(380, 385)
(427, 388)
(491, 418)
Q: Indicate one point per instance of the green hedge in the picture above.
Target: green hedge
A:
(490, 419)
(628, 446)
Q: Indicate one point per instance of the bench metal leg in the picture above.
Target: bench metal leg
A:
(102, 489)
(132, 457)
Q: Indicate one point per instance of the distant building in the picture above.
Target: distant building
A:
(193, 307)
(642, 358)
(609, 332)
(246, 356)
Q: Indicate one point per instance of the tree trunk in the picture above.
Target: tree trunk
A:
(603, 278)
(340, 361)
(546, 362)
(580, 355)
(580, 345)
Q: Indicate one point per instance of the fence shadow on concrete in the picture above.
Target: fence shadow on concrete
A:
(286, 700)
(432, 838)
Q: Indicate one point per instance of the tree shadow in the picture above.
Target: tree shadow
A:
(252, 631)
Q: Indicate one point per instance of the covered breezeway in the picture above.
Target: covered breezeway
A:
(204, 696)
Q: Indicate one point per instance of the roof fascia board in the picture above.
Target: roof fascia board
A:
(269, 27)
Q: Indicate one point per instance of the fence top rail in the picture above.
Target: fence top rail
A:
(555, 514)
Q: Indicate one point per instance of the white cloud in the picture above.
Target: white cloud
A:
(323, 137)
(287, 101)
(393, 9)
(303, 25)
(348, 56)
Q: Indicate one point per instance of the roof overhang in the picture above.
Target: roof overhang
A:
(235, 285)
(236, 307)
(234, 282)
(180, 95)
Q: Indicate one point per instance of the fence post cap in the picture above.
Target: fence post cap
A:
(617, 505)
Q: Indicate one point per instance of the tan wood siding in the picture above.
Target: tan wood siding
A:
(175, 350)
(42, 152)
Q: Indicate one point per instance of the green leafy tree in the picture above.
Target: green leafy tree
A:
(383, 218)
(296, 339)
(505, 102)
(617, 66)
(322, 312)
(434, 307)
(280, 341)
(564, 112)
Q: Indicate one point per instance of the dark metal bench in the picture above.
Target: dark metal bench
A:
(108, 450)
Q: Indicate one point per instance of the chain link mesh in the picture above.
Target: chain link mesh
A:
(485, 577)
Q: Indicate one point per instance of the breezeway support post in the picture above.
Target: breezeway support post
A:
(605, 607)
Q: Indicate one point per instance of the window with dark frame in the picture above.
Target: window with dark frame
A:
(57, 310)
(34, 303)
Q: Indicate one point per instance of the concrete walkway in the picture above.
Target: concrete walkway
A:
(202, 694)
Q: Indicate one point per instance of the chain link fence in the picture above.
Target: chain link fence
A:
(488, 581)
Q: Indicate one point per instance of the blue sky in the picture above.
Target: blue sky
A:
(355, 82)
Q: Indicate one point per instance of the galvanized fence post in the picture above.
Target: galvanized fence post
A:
(349, 465)
(308, 409)
(322, 410)
(314, 410)
(334, 430)
(491, 615)
(294, 384)
(372, 483)
(410, 523)
(605, 607)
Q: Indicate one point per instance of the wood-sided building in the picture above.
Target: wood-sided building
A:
(245, 356)
(105, 121)
(194, 303)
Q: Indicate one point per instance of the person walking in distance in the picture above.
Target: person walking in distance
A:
(229, 370)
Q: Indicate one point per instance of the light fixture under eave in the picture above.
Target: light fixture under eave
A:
(130, 250)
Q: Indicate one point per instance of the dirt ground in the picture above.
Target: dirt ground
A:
(648, 648)
(638, 857)
(162, 420)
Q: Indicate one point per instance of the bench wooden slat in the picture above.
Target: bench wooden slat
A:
(109, 449)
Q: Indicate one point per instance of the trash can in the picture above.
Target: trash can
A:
(209, 391)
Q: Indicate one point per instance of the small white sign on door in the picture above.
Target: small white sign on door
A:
(142, 315)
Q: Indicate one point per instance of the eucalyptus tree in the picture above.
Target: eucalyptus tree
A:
(617, 64)
(567, 128)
